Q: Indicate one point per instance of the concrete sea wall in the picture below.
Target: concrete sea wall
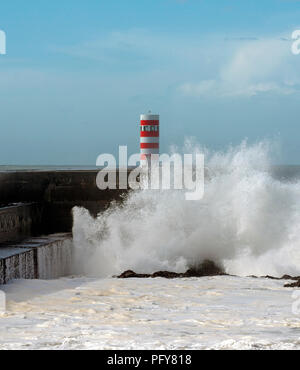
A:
(16, 263)
(19, 221)
(56, 193)
(34, 207)
(36, 258)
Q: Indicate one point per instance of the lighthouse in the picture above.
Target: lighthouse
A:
(149, 138)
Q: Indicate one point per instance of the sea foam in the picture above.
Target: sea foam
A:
(248, 221)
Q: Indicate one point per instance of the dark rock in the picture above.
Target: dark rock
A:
(127, 274)
(284, 277)
(131, 274)
(207, 268)
(293, 285)
(167, 275)
(270, 277)
(288, 277)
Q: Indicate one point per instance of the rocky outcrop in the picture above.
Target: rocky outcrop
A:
(284, 277)
(293, 285)
(207, 268)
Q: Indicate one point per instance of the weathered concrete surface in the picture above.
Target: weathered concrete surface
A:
(50, 197)
(16, 263)
(36, 258)
(53, 255)
(52, 186)
(57, 192)
(19, 221)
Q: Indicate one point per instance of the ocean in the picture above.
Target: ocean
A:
(248, 222)
(206, 313)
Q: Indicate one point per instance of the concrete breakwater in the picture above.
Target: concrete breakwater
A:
(18, 221)
(36, 258)
(55, 193)
(36, 220)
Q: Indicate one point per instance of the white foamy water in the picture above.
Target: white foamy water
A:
(248, 221)
(207, 313)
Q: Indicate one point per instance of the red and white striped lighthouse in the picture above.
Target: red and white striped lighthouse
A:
(149, 138)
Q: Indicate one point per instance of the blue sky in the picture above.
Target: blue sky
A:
(77, 75)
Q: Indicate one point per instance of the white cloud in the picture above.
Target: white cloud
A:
(224, 89)
(193, 65)
(261, 66)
